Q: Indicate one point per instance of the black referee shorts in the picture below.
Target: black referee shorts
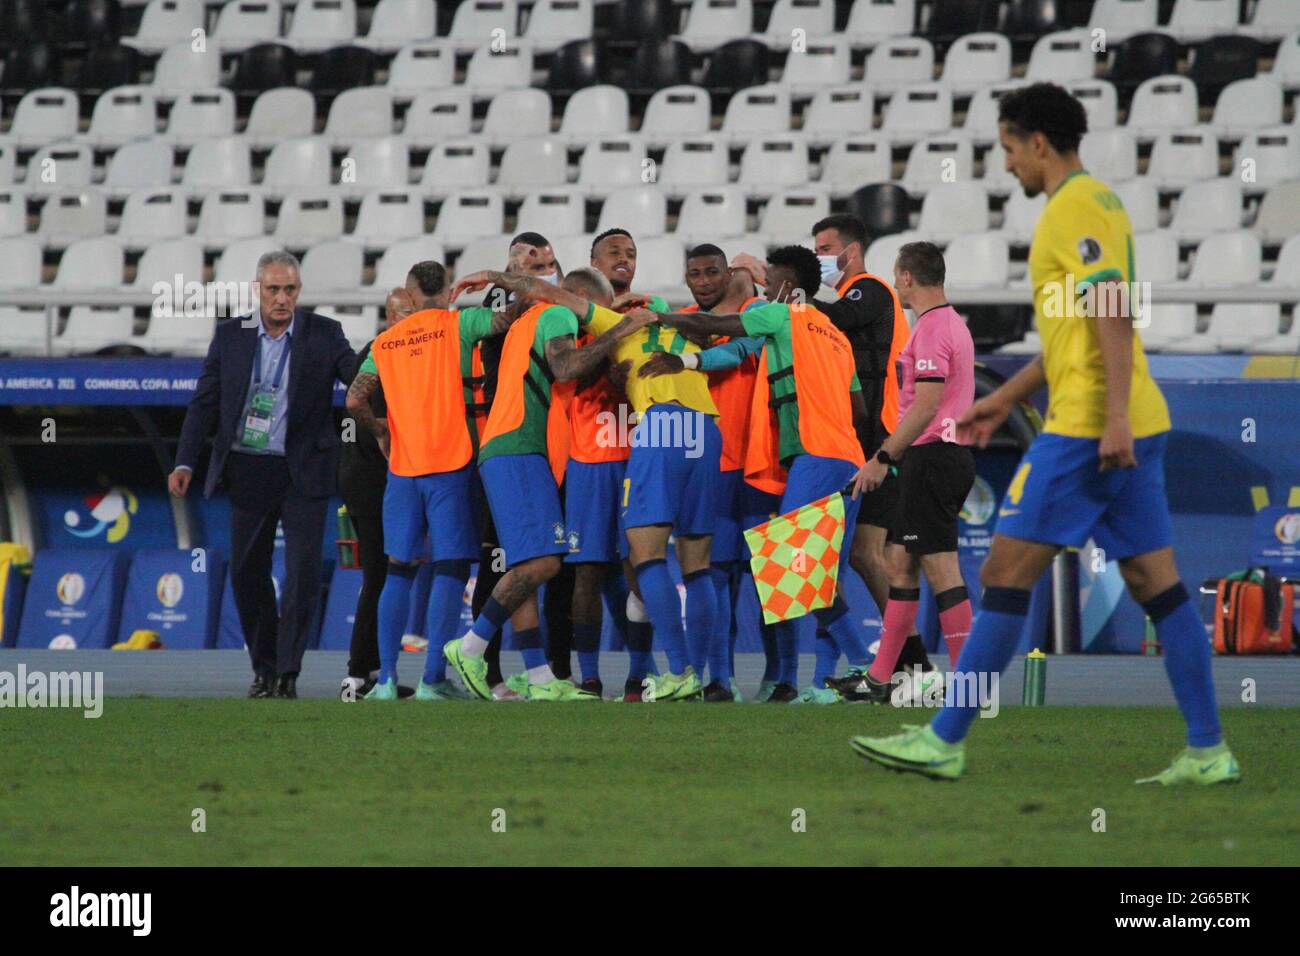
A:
(934, 480)
(879, 506)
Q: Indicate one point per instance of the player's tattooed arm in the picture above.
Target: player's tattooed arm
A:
(524, 287)
(703, 323)
(568, 362)
(358, 403)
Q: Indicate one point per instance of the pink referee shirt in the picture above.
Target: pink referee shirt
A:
(940, 350)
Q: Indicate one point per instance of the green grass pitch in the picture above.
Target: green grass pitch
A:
(320, 782)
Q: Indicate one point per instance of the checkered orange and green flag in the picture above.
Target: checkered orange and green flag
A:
(796, 559)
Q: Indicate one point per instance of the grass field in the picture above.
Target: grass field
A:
(317, 782)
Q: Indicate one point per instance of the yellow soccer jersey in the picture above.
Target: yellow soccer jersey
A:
(687, 388)
(1084, 237)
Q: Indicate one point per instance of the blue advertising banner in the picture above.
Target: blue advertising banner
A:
(73, 600)
(177, 594)
(1276, 542)
(340, 610)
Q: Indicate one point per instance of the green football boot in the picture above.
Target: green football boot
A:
(472, 670)
(442, 690)
(1208, 766)
(764, 691)
(817, 695)
(917, 749)
(736, 695)
(518, 683)
(385, 691)
(667, 687)
(559, 691)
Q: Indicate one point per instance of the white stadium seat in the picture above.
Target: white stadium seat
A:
(60, 166)
(1278, 217)
(490, 252)
(495, 68)
(855, 161)
(359, 326)
(997, 179)
(1100, 101)
(165, 22)
(219, 164)
(397, 259)
(1273, 20)
(593, 112)
(836, 112)
(1183, 157)
(430, 65)
(819, 63)
(982, 114)
(900, 62)
(553, 23)
(1286, 65)
(1110, 154)
(469, 214)
(553, 212)
(1286, 271)
(1195, 20)
(812, 18)
(709, 213)
(299, 163)
(164, 261)
(645, 207)
(201, 115)
(674, 113)
(458, 165)
(977, 60)
(613, 163)
(379, 163)
(321, 24)
(184, 335)
(939, 159)
(139, 164)
(230, 214)
(1155, 255)
(279, 114)
(1247, 105)
(1240, 326)
(874, 21)
(1267, 157)
(883, 252)
(478, 19)
(152, 215)
(1162, 103)
(1021, 215)
(122, 114)
(531, 163)
(332, 266)
(359, 113)
(660, 266)
(517, 113)
(711, 23)
(13, 212)
(1227, 259)
(44, 116)
(1121, 19)
(688, 163)
(396, 23)
(91, 265)
(92, 328)
(8, 163)
(790, 213)
(245, 23)
(1141, 201)
(309, 216)
(918, 111)
(437, 116)
(979, 260)
(23, 331)
(182, 68)
(238, 261)
(67, 217)
(756, 111)
(954, 209)
(774, 162)
(1169, 326)
(1207, 207)
(1062, 57)
(20, 263)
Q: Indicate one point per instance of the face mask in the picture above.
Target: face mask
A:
(831, 271)
(553, 278)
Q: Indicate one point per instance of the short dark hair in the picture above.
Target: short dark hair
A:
(924, 260)
(705, 249)
(1048, 109)
(430, 276)
(605, 235)
(535, 239)
(850, 228)
(803, 262)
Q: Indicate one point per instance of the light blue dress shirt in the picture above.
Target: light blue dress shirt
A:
(269, 351)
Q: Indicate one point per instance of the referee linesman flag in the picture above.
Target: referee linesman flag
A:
(796, 559)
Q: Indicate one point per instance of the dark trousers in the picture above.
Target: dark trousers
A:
(262, 495)
(363, 654)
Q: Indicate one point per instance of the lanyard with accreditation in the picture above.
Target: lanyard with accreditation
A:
(257, 423)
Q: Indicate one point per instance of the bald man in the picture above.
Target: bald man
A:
(363, 476)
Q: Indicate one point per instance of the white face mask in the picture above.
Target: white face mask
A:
(553, 278)
(831, 271)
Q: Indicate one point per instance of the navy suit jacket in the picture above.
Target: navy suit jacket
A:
(319, 356)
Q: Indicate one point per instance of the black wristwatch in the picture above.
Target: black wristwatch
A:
(882, 456)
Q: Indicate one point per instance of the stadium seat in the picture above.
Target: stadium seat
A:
(885, 208)
(321, 24)
(1183, 157)
(1020, 217)
(162, 262)
(13, 212)
(790, 213)
(245, 24)
(22, 331)
(464, 164)
(735, 66)
(1121, 19)
(853, 161)
(938, 159)
(1026, 21)
(1110, 154)
(593, 112)
(1195, 20)
(488, 253)
(807, 19)
(493, 70)
(343, 68)
(398, 258)
(20, 263)
(531, 163)
(165, 22)
(231, 214)
(980, 260)
(60, 166)
(676, 112)
(429, 65)
(1031, 344)
(883, 251)
(360, 323)
(67, 217)
(1143, 57)
(660, 266)
(1169, 327)
(898, 63)
(836, 112)
(517, 113)
(266, 66)
(1286, 64)
(139, 164)
(657, 64)
(614, 163)
(553, 23)
(576, 65)
(278, 114)
(1247, 105)
(997, 180)
(823, 62)
(200, 115)
(302, 162)
(1279, 214)
(91, 265)
(185, 336)
(1205, 208)
(1227, 259)
(1270, 156)
(758, 111)
(954, 209)
(1155, 255)
(709, 213)
(554, 212)
(948, 21)
(8, 165)
(121, 114)
(107, 67)
(469, 214)
(31, 66)
(306, 217)
(917, 112)
(748, 243)
(224, 163)
(238, 261)
(690, 163)
(773, 162)
(1286, 271)
(646, 207)
(1240, 327)
(151, 215)
(874, 21)
(1063, 56)
(1100, 101)
(1222, 60)
(359, 113)
(43, 116)
(1272, 20)
(982, 114)
(396, 23)
(92, 329)
(437, 116)
(332, 266)
(711, 23)
(1162, 103)
(1141, 201)
(476, 19)
(975, 61)
(380, 163)
(182, 68)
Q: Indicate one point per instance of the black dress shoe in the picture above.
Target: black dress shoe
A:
(286, 687)
(261, 687)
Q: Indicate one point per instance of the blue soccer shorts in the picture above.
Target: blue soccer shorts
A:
(673, 470)
(593, 493)
(728, 518)
(443, 506)
(525, 507)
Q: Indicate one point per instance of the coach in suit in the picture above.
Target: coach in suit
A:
(267, 391)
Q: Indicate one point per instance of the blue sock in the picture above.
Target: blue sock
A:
(845, 630)
(700, 612)
(532, 646)
(988, 650)
(614, 593)
(720, 641)
(586, 638)
(394, 608)
(664, 608)
(771, 654)
(442, 619)
(787, 648)
(733, 632)
(1187, 662)
(641, 661)
(828, 656)
(490, 620)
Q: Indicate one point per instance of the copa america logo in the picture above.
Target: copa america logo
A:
(171, 588)
(70, 589)
(1287, 528)
(980, 503)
